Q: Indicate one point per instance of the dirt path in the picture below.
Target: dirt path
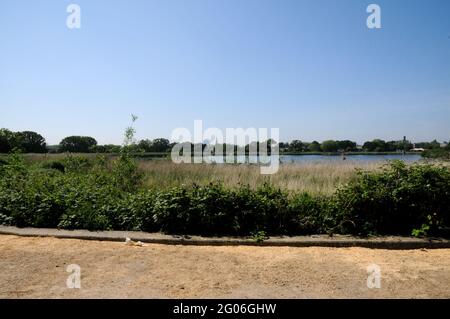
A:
(36, 268)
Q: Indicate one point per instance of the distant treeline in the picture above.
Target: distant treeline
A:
(32, 142)
(377, 145)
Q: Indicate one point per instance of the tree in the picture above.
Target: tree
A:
(8, 140)
(435, 144)
(284, 146)
(31, 142)
(405, 145)
(376, 145)
(346, 145)
(329, 146)
(145, 145)
(393, 146)
(77, 144)
(160, 145)
(429, 145)
(157, 145)
(314, 147)
(297, 146)
(368, 146)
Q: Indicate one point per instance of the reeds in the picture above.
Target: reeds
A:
(315, 178)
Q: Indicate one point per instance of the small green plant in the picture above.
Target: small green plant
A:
(422, 231)
(125, 170)
(129, 140)
(259, 236)
(430, 227)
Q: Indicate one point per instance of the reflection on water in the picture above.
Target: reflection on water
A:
(299, 159)
(350, 158)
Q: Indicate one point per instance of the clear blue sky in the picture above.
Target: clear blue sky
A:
(311, 68)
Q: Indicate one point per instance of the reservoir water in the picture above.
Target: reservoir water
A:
(303, 159)
(293, 159)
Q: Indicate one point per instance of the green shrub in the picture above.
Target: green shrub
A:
(76, 164)
(214, 210)
(54, 165)
(270, 207)
(310, 215)
(133, 212)
(259, 236)
(125, 173)
(395, 201)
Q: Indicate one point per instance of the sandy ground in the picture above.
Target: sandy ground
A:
(36, 268)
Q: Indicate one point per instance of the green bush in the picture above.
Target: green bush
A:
(397, 200)
(54, 165)
(310, 215)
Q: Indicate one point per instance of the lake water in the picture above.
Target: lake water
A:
(299, 159)
(286, 159)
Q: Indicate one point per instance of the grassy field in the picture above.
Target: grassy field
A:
(315, 178)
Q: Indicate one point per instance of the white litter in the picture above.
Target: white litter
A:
(130, 242)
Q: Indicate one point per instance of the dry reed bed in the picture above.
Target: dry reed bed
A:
(315, 178)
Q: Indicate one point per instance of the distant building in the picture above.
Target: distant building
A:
(417, 149)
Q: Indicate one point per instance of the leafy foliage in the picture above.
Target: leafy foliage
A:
(31, 142)
(77, 144)
(396, 201)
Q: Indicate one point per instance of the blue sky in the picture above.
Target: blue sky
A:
(311, 68)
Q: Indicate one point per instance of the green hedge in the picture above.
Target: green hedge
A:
(99, 195)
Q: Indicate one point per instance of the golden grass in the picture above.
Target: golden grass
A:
(315, 178)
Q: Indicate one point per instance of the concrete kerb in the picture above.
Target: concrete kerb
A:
(387, 242)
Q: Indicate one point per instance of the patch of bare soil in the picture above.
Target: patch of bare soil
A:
(36, 268)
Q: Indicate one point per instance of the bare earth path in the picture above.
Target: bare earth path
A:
(36, 268)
